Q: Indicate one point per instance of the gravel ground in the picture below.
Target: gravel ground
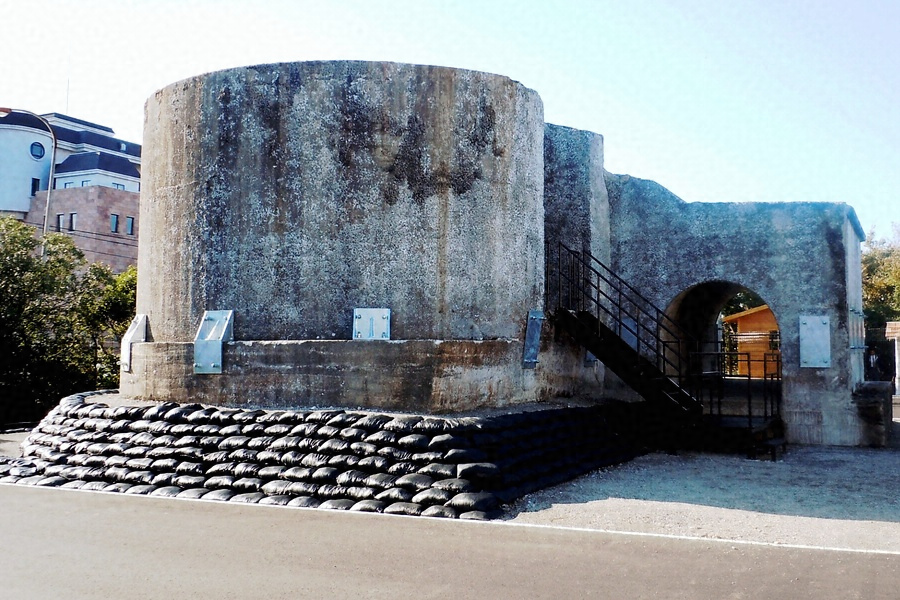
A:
(814, 496)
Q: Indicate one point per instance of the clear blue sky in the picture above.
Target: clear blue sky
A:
(718, 100)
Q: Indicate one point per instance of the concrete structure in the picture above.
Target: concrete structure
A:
(294, 193)
(101, 217)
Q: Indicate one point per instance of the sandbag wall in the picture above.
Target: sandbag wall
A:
(411, 465)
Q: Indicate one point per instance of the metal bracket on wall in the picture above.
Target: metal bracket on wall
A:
(215, 329)
(532, 338)
(137, 332)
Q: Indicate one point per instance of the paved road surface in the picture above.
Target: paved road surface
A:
(70, 544)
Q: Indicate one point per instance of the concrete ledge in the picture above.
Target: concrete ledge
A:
(430, 376)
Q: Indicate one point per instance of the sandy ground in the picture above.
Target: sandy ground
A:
(846, 498)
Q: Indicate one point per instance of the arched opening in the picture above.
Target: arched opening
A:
(735, 348)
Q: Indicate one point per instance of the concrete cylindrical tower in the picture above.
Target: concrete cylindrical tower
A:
(293, 193)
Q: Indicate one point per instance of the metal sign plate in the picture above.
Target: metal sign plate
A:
(815, 341)
(371, 323)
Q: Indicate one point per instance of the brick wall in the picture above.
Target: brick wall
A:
(92, 233)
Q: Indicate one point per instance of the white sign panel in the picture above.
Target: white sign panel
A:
(815, 341)
(371, 323)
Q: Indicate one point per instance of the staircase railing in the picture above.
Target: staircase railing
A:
(585, 284)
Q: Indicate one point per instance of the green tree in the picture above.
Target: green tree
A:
(881, 279)
(60, 321)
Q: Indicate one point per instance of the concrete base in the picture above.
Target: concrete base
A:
(429, 376)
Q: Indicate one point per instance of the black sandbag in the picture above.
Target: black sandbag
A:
(137, 451)
(220, 495)
(160, 428)
(372, 422)
(352, 477)
(211, 442)
(278, 429)
(247, 416)
(474, 515)
(432, 496)
(51, 481)
(370, 506)
(189, 453)
(277, 500)
(162, 452)
(329, 491)
(244, 455)
(219, 482)
(445, 441)
(140, 477)
(270, 418)
(208, 429)
(314, 459)
(305, 502)
(184, 441)
(247, 497)
(271, 457)
(353, 434)
(201, 416)
(248, 484)
(423, 458)
(478, 501)
(140, 489)
(344, 419)
(309, 444)
(144, 438)
(343, 461)
(178, 415)
(189, 481)
(276, 487)
(394, 494)
(382, 438)
(222, 468)
(392, 453)
(438, 470)
(157, 412)
(413, 441)
(69, 485)
(234, 442)
(439, 511)
(139, 464)
(94, 461)
(93, 486)
(246, 469)
(291, 458)
(465, 455)
(414, 481)
(334, 446)
(231, 430)
(51, 471)
(321, 416)
(327, 431)
(303, 430)
(263, 442)
(358, 492)
(430, 426)
(302, 488)
(253, 429)
(272, 472)
(324, 475)
(373, 464)
(96, 448)
(338, 504)
(193, 493)
(381, 481)
(402, 468)
(163, 465)
(119, 488)
(163, 479)
(402, 424)
(113, 473)
(403, 508)
(297, 473)
(481, 471)
(363, 449)
(169, 491)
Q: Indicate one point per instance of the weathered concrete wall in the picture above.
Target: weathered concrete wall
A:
(427, 376)
(794, 255)
(292, 193)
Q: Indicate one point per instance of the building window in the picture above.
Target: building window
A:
(129, 225)
(68, 184)
(59, 221)
(119, 186)
(37, 150)
(35, 185)
(72, 217)
(114, 223)
(85, 182)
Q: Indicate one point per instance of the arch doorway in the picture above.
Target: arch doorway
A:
(735, 349)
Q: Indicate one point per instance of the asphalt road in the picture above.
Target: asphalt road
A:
(70, 544)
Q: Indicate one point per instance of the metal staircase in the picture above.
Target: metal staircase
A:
(653, 355)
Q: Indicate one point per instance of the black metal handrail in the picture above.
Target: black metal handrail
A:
(584, 283)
